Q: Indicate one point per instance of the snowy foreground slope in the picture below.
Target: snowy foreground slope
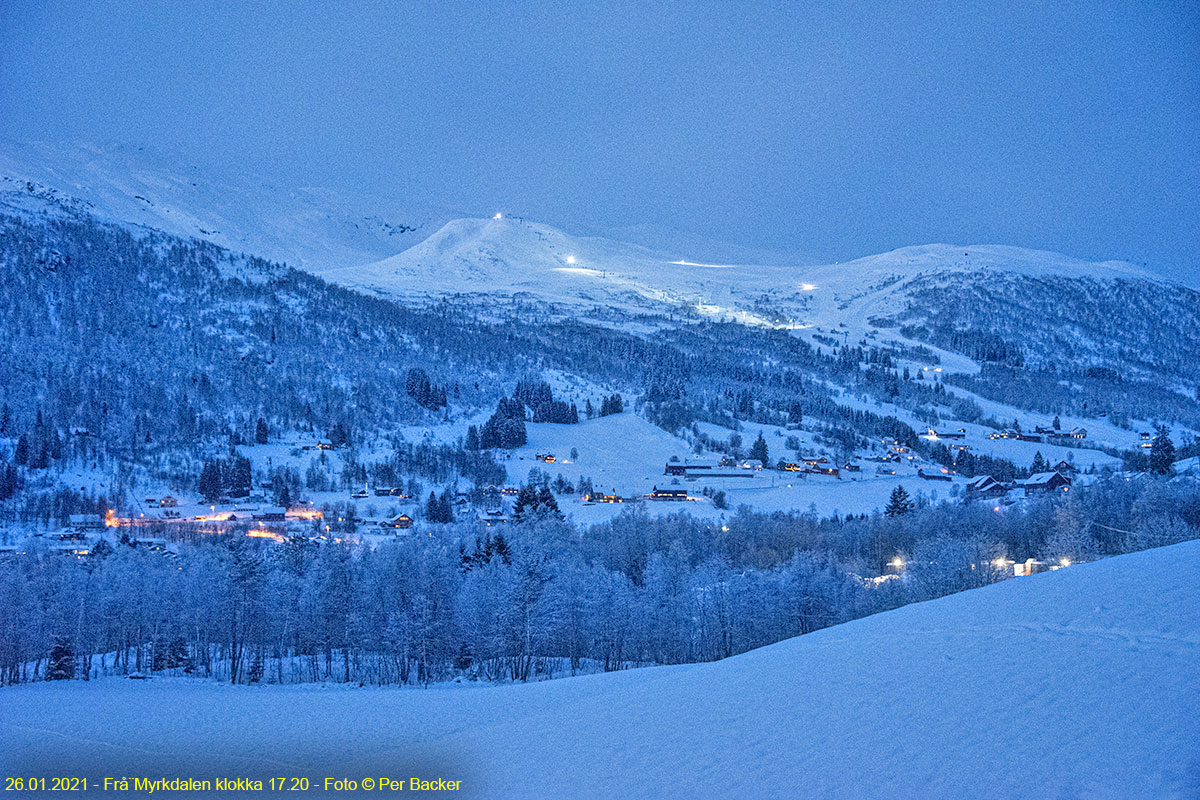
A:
(1078, 683)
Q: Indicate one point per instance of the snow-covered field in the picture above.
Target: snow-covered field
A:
(1081, 683)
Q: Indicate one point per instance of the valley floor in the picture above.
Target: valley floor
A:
(1077, 683)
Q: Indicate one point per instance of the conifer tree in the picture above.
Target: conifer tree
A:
(899, 504)
(62, 660)
(210, 482)
(1162, 452)
(758, 450)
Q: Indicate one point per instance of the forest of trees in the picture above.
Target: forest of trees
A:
(543, 598)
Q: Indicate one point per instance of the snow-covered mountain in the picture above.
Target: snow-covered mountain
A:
(963, 305)
(309, 227)
(516, 256)
(958, 307)
(1076, 683)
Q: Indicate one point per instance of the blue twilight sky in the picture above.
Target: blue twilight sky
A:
(831, 130)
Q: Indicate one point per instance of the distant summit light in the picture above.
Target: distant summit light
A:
(498, 216)
(570, 259)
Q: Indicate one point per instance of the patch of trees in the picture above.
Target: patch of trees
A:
(506, 427)
(539, 398)
(545, 599)
(612, 404)
(440, 508)
(229, 478)
(424, 392)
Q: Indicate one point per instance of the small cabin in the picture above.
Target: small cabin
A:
(168, 502)
(87, 522)
(933, 476)
(149, 543)
(270, 514)
(667, 494)
(1044, 482)
(1029, 567)
(985, 486)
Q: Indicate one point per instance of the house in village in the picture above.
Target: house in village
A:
(667, 494)
(1044, 482)
(984, 486)
(149, 543)
(933, 476)
(77, 549)
(1065, 467)
(269, 514)
(400, 522)
(1029, 567)
(68, 535)
(687, 469)
(87, 522)
(494, 516)
(960, 433)
(601, 497)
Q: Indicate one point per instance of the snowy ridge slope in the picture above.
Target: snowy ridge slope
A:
(309, 227)
(515, 256)
(1077, 683)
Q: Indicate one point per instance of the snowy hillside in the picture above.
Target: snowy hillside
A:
(1076, 683)
(309, 228)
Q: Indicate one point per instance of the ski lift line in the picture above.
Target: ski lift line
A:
(1109, 528)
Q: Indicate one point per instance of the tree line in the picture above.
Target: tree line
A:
(544, 598)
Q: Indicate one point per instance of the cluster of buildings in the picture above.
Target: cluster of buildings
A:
(1059, 479)
(1040, 434)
